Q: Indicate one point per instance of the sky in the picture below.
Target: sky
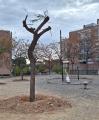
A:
(67, 15)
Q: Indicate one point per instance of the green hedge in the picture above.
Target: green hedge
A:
(17, 70)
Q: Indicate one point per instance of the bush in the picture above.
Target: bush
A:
(17, 70)
(57, 69)
(40, 68)
(26, 70)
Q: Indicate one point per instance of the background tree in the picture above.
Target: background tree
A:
(87, 48)
(57, 55)
(50, 54)
(19, 66)
(47, 55)
(56, 50)
(38, 53)
(37, 33)
(72, 54)
(20, 48)
(19, 53)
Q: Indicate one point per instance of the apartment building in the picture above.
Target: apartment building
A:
(83, 47)
(5, 52)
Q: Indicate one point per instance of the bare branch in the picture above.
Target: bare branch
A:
(42, 24)
(44, 30)
(26, 26)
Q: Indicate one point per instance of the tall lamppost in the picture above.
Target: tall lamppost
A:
(61, 53)
(77, 72)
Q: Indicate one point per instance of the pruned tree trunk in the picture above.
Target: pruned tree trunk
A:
(32, 77)
(32, 81)
(37, 33)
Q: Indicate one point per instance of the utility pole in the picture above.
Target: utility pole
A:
(61, 52)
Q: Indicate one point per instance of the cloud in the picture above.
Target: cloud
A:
(65, 14)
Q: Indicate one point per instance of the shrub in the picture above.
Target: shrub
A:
(57, 69)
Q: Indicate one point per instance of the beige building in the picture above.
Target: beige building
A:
(5, 52)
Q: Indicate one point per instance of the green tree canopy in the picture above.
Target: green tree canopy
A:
(20, 61)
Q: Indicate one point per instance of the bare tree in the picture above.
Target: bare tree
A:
(72, 53)
(57, 52)
(19, 48)
(47, 54)
(19, 53)
(87, 51)
(37, 33)
(56, 49)
(38, 53)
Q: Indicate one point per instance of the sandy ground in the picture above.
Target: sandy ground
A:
(84, 106)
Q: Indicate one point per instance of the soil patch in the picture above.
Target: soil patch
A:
(21, 104)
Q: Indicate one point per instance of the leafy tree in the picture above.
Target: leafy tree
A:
(57, 68)
(40, 68)
(21, 63)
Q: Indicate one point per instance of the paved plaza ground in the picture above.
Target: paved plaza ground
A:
(85, 102)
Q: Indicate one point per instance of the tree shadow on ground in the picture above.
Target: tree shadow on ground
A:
(1, 83)
(20, 80)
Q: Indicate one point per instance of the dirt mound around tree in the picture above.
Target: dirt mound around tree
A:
(21, 104)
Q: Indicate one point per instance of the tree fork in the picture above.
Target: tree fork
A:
(36, 36)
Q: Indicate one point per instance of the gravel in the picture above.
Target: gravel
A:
(85, 103)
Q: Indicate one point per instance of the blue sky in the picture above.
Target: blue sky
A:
(67, 15)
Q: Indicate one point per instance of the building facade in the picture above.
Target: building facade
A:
(83, 47)
(5, 52)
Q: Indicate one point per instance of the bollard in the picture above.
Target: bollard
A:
(85, 84)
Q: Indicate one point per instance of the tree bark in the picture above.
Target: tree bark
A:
(32, 76)
(32, 81)
(36, 35)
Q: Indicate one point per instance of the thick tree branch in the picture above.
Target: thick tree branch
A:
(27, 28)
(44, 30)
(42, 24)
